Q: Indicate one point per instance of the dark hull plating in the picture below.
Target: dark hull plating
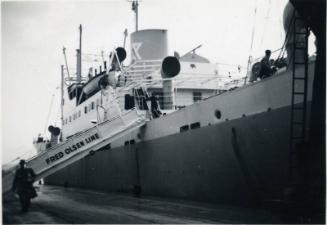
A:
(241, 161)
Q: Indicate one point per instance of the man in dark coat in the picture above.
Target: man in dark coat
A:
(23, 185)
(266, 69)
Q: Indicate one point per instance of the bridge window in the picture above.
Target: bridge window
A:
(85, 109)
(92, 105)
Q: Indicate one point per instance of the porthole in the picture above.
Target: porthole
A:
(218, 114)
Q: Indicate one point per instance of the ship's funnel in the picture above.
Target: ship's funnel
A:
(151, 44)
(170, 67)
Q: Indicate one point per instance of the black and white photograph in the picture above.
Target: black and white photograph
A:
(163, 111)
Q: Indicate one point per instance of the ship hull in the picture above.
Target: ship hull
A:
(235, 150)
(241, 161)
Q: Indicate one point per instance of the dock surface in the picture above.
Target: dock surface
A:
(58, 205)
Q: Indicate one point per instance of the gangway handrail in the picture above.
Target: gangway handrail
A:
(80, 145)
(79, 134)
(81, 152)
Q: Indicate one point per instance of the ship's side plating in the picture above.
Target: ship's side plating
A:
(229, 148)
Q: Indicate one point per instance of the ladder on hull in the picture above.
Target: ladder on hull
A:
(78, 146)
(299, 93)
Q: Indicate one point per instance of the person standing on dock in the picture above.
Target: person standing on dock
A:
(23, 184)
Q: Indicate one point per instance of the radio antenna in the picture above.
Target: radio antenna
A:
(135, 8)
(125, 36)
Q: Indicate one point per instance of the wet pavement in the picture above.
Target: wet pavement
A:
(78, 206)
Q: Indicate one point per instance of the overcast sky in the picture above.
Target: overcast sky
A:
(33, 34)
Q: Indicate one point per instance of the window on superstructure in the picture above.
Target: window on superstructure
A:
(184, 128)
(85, 109)
(79, 113)
(195, 125)
(197, 96)
(92, 105)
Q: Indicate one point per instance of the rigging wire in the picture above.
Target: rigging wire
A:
(265, 23)
(287, 37)
(58, 115)
(253, 28)
(252, 40)
(48, 117)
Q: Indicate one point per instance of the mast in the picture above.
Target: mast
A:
(135, 6)
(79, 56)
(64, 52)
(62, 100)
(125, 36)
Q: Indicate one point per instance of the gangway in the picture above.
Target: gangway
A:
(78, 146)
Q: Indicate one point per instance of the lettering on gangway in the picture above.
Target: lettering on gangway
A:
(72, 148)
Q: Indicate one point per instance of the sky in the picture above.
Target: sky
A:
(33, 34)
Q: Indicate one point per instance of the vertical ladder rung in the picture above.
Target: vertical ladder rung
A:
(298, 107)
(300, 48)
(297, 137)
(301, 33)
(298, 123)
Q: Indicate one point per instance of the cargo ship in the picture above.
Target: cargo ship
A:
(205, 138)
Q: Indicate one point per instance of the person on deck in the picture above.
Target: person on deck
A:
(23, 185)
(155, 106)
(266, 69)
